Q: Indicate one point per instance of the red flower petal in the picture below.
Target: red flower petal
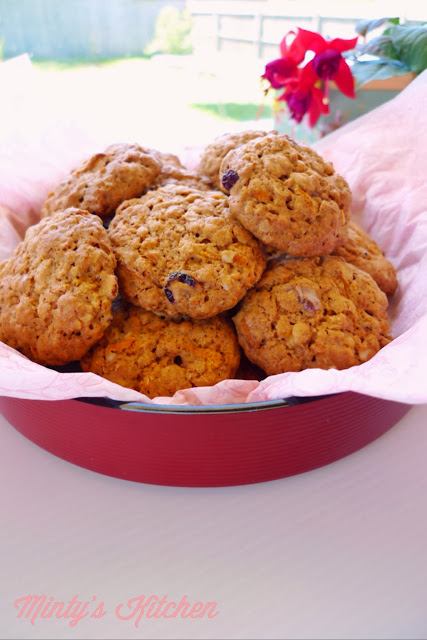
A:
(278, 70)
(311, 41)
(323, 103)
(317, 106)
(294, 50)
(344, 79)
(313, 113)
(308, 76)
(342, 45)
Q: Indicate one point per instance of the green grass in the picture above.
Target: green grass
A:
(235, 110)
(237, 104)
(74, 63)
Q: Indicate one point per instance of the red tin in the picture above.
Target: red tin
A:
(204, 446)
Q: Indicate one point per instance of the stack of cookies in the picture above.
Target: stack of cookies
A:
(159, 278)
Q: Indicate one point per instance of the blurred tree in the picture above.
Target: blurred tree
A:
(172, 32)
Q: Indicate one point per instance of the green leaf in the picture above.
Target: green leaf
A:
(411, 44)
(382, 47)
(365, 26)
(364, 72)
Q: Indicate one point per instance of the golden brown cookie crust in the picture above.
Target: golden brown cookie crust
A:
(362, 251)
(105, 180)
(287, 195)
(215, 152)
(312, 313)
(174, 172)
(57, 288)
(169, 162)
(180, 251)
(158, 356)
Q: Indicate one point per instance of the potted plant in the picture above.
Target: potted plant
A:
(319, 83)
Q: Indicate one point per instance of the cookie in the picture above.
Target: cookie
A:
(287, 195)
(169, 162)
(173, 172)
(157, 356)
(271, 253)
(214, 153)
(180, 251)
(363, 252)
(105, 180)
(57, 288)
(312, 313)
(248, 370)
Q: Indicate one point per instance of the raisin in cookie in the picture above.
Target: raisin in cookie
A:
(57, 288)
(105, 180)
(158, 356)
(287, 195)
(213, 154)
(362, 251)
(312, 313)
(180, 251)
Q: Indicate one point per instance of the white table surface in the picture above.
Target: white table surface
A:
(340, 552)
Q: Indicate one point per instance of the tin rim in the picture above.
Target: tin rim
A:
(201, 409)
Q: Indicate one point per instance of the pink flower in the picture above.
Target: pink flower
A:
(306, 87)
(303, 97)
(278, 71)
(328, 63)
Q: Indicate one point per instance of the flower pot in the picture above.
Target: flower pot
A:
(342, 109)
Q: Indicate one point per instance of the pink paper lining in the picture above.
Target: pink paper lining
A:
(383, 157)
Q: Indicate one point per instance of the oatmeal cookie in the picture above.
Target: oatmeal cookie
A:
(362, 251)
(57, 288)
(272, 253)
(180, 251)
(213, 154)
(287, 195)
(173, 172)
(158, 356)
(105, 180)
(170, 161)
(312, 313)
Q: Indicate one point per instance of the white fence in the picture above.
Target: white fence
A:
(253, 29)
(258, 34)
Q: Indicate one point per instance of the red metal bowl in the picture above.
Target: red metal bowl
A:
(204, 446)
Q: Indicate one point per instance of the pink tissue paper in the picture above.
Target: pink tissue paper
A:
(382, 155)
